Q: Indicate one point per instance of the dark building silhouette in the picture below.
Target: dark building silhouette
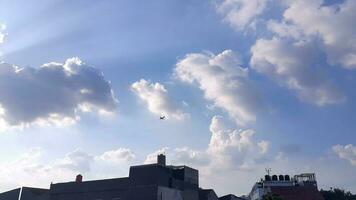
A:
(207, 194)
(145, 182)
(160, 181)
(25, 193)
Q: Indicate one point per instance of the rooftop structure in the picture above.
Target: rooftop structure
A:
(145, 182)
(286, 187)
(152, 181)
(231, 197)
(160, 181)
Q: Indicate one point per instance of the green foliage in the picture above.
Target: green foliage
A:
(337, 194)
(270, 196)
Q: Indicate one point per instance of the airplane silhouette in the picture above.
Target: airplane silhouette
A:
(162, 117)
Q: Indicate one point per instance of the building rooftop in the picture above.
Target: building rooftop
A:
(25, 193)
(297, 193)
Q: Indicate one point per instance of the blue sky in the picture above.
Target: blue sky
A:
(256, 66)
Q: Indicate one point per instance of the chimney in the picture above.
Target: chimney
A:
(161, 159)
(79, 178)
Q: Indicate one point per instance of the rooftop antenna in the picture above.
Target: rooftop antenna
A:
(268, 170)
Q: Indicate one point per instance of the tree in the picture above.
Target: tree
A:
(337, 194)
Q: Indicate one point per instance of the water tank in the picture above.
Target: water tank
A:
(161, 159)
(281, 177)
(274, 178)
(287, 178)
(267, 178)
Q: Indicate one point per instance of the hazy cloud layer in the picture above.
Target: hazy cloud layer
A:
(223, 81)
(347, 152)
(157, 98)
(52, 94)
(241, 14)
(180, 156)
(77, 161)
(117, 156)
(31, 168)
(295, 65)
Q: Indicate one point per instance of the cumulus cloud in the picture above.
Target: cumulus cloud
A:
(307, 30)
(347, 152)
(234, 148)
(223, 81)
(295, 65)
(117, 156)
(157, 98)
(228, 149)
(241, 13)
(52, 94)
(334, 24)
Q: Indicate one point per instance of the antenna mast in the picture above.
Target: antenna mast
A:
(268, 170)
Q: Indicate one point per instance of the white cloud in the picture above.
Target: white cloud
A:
(228, 149)
(186, 155)
(152, 157)
(223, 81)
(283, 29)
(180, 156)
(157, 98)
(233, 148)
(52, 94)
(78, 161)
(295, 65)
(32, 169)
(2, 34)
(264, 146)
(334, 24)
(241, 13)
(117, 156)
(347, 152)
